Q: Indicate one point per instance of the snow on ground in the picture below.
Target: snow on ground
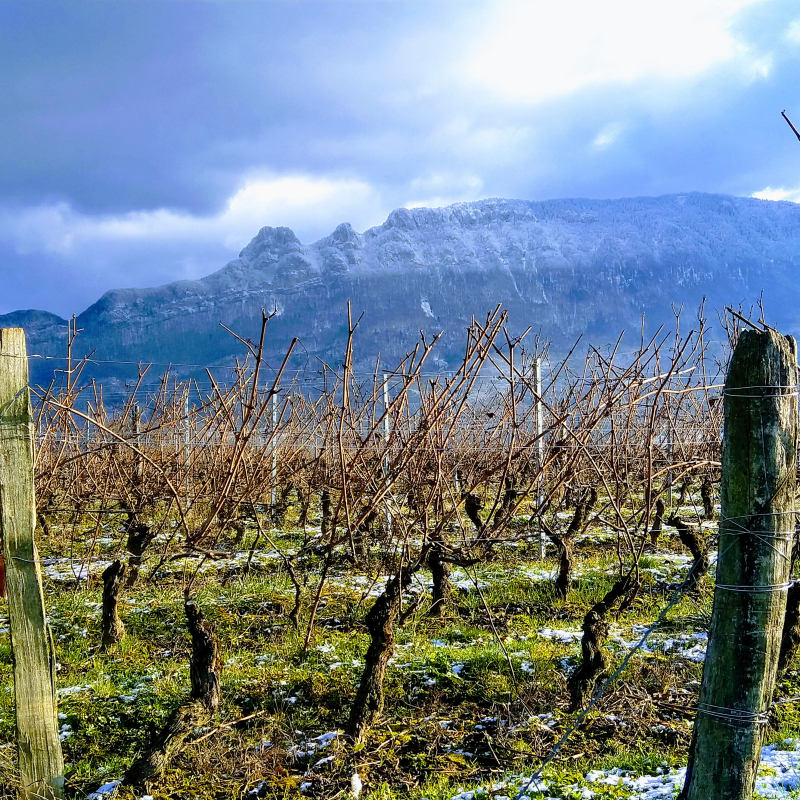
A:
(779, 777)
(670, 567)
(464, 582)
(595, 536)
(105, 790)
(563, 636)
(64, 691)
(234, 563)
(311, 746)
(65, 570)
(691, 646)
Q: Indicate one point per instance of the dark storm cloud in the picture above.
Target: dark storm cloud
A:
(144, 142)
(116, 106)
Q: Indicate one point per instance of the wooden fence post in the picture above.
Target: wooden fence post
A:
(274, 473)
(186, 442)
(756, 528)
(540, 454)
(41, 765)
(387, 431)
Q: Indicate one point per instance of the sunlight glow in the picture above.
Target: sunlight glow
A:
(792, 195)
(540, 50)
(293, 201)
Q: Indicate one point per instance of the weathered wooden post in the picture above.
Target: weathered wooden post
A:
(540, 452)
(755, 538)
(387, 430)
(274, 473)
(186, 441)
(41, 765)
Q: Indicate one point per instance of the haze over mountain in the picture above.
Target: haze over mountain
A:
(564, 267)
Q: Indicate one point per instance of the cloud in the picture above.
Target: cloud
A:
(768, 193)
(313, 206)
(608, 135)
(88, 254)
(142, 144)
(793, 31)
(437, 190)
(536, 51)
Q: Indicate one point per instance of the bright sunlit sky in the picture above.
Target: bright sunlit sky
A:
(146, 142)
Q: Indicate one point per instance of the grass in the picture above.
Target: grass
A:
(470, 699)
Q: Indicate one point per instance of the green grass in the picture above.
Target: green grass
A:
(434, 738)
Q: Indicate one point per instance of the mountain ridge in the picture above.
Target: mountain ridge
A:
(567, 266)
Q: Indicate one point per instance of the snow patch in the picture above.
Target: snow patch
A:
(779, 777)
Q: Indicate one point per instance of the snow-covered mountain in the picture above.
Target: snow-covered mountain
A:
(564, 267)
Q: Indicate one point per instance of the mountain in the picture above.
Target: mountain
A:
(564, 267)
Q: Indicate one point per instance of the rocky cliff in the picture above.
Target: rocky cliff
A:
(564, 267)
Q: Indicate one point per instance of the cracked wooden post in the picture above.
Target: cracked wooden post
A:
(41, 764)
(756, 529)
(540, 455)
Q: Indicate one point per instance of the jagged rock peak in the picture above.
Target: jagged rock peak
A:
(344, 234)
(269, 240)
(567, 267)
(402, 218)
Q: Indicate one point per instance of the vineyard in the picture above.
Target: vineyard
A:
(314, 582)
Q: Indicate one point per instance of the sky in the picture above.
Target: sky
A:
(146, 142)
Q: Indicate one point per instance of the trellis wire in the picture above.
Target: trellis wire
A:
(678, 594)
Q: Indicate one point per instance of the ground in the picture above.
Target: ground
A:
(475, 700)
